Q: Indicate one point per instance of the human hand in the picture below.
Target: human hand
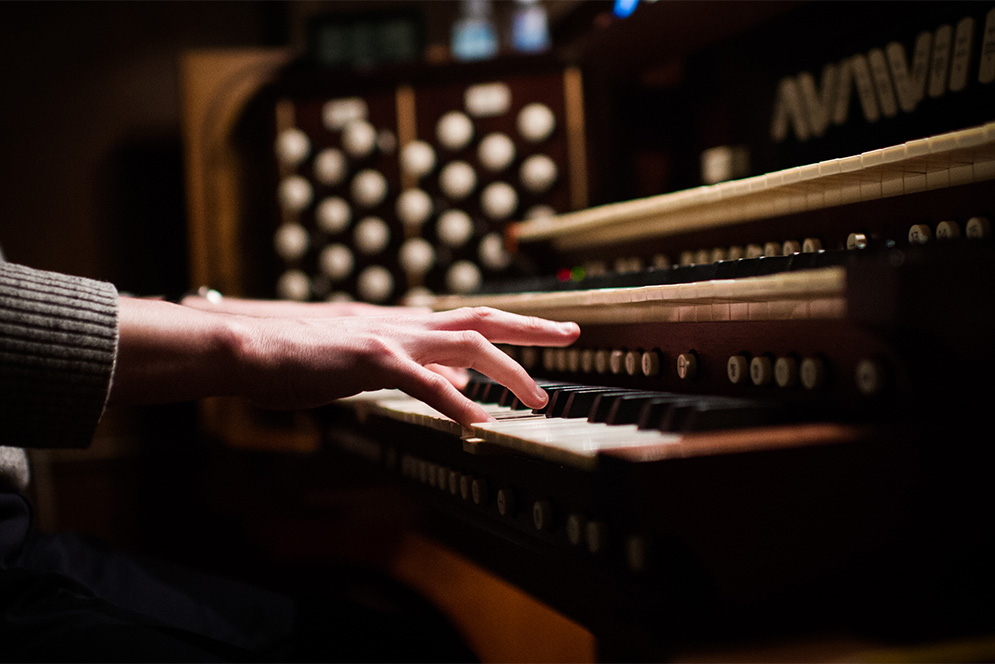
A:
(169, 353)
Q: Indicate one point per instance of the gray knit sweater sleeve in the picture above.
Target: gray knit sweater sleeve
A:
(58, 342)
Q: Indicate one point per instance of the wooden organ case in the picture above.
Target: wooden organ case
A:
(774, 424)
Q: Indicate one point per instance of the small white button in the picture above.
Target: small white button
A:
(856, 241)
(587, 360)
(506, 502)
(492, 253)
(413, 207)
(295, 193)
(333, 215)
(602, 361)
(633, 363)
(754, 250)
(636, 553)
(454, 130)
(786, 372)
(416, 256)
(812, 373)
(292, 146)
(369, 188)
(870, 377)
(772, 248)
(463, 277)
(337, 113)
(499, 200)
(576, 524)
(464, 487)
(536, 122)
(542, 514)
(650, 363)
(496, 152)
(947, 230)
(737, 368)
(293, 285)
(375, 284)
(540, 212)
(330, 166)
(761, 370)
(735, 253)
(791, 247)
(336, 261)
(687, 366)
(920, 234)
(454, 228)
(811, 245)
(457, 180)
(573, 359)
(291, 241)
(371, 235)
(538, 173)
(978, 228)
(359, 138)
(596, 534)
(417, 158)
(616, 361)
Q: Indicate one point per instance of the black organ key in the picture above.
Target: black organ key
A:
(557, 395)
(579, 403)
(604, 403)
(626, 408)
(654, 410)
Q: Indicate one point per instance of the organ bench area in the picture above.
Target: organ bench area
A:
(779, 436)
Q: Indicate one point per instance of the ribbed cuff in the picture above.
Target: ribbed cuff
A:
(58, 341)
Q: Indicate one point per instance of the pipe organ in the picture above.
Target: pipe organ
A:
(774, 421)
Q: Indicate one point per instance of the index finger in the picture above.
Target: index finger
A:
(504, 327)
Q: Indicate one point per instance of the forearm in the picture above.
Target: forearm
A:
(169, 353)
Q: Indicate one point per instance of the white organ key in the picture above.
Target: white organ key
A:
(417, 158)
(336, 261)
(538, 173)
(953, 158)
(292, 146)
(536, 122)
(496, 152)
(414, 206)
(291, 241)
(330, 166)
(371, 235)
(359, 138)
(576, 442)
(817, 294)
(369, 188)
(333, 215)
(454, 228)
(454, 130)
(499, 200)
(295, 193)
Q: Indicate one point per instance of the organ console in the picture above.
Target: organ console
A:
(774, 422)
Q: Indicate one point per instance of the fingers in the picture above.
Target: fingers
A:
(472, 350)
(457, 376)
(436, 391)
(503, 327)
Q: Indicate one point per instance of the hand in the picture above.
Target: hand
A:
(169, 353)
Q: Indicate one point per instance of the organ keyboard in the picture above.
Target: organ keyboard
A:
(726, 439)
